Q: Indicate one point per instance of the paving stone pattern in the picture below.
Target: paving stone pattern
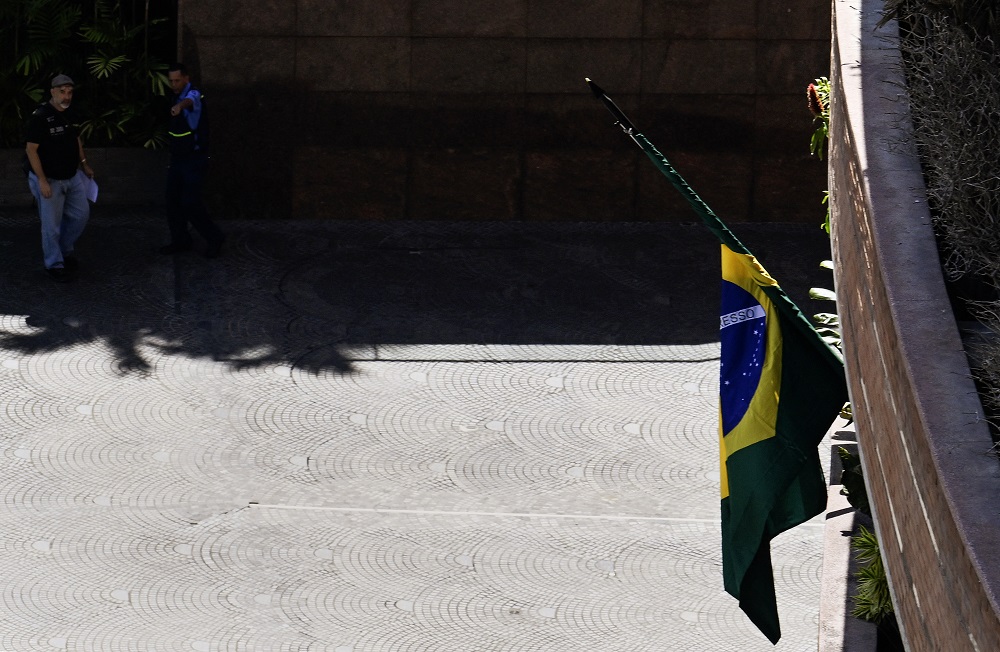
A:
(350, 437)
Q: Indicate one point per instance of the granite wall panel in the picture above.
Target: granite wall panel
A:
(244, 61)
(352, 18)
(468, 65)
(723, 181)
(561, 120)
(699, 66)
(466, 184)
(128, 176)
(591, 19)
(560, 65)
(457, 121)
(699, 123)
(774, 175)
(782, 126)
(239, 17)
(252, 182)
(351, 119)
(244, 118)
(349, 184)
(789, 65)
(346, 63)
(786, 20)
(700, 19)
(583, 185)
(463, 18)
(13, 183)
(715, 83)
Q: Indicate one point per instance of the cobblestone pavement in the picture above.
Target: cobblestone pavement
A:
(350, 437)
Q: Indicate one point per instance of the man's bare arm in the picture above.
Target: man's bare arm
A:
(83, 159)
(36, 166)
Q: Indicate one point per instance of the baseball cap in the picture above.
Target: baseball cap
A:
(62, 80)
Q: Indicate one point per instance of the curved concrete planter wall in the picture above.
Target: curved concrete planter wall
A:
(934, 485)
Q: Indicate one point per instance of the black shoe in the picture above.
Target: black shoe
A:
(174, 248)
(214, 249)
(70, 263)
(58, 274)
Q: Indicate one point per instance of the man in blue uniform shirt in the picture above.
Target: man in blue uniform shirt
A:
(188, 162)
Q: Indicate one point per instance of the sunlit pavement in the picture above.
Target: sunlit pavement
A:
(357, 437)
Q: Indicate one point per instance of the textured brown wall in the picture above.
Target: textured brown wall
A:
(925, 448)
(126, 176)
(450, 109)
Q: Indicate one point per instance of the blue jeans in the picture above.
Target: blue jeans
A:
(63, 216)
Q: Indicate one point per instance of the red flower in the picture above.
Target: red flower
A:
(815, 103)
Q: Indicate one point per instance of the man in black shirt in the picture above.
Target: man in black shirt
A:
(55, 151)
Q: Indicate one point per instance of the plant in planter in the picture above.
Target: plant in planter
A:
(827, 323)
(125, 75)
(951, 52)
(34, 38)
(872, 602)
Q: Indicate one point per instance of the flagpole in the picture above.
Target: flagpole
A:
(783, 388)
(707, 215)
(714, 223)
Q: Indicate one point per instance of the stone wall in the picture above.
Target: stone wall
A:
(447, 109)
(126, 176)
(931, 475)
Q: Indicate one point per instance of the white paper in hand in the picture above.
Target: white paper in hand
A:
(89, 186)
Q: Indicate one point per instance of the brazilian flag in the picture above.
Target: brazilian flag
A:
(780, 388)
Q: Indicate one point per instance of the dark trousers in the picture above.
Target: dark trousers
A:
(185, 181)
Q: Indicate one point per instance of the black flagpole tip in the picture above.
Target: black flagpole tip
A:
(597, 90)
(620, 118)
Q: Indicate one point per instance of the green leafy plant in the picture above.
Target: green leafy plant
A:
(852, 481)
(827, 323)
(33, 37)
(125, 74)
(873, 602)
(826, 202)
(818, 97)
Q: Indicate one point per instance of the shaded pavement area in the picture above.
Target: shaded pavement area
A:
(358, 437)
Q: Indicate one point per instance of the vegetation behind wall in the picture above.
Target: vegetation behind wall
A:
(952, 59)
(116, 51)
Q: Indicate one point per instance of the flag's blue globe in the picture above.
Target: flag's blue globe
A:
(742, 332)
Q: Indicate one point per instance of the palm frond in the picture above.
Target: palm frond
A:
(102, 65)
(822, 294)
